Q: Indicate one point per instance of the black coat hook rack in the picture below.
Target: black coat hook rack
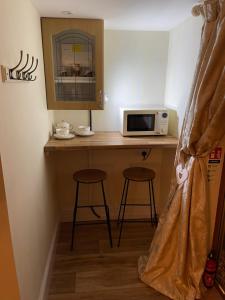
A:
(22, 71)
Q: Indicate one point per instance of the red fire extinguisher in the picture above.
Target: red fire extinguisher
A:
(210, 271)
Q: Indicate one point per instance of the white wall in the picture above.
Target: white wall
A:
(24, 129)
(135, 73)
(182, 57)
(145, 68)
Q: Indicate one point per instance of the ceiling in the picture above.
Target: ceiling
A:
(122, 14)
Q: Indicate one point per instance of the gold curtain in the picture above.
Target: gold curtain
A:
(181, 243)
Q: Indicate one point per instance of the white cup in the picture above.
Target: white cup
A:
(62, 131)
(83, 129)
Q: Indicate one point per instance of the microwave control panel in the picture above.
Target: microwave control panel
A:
(162, 123)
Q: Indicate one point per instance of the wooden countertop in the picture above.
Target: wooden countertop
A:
(110, 140)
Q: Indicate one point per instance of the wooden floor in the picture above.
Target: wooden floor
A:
(97, 272)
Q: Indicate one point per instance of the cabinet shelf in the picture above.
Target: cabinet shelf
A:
(75, 79)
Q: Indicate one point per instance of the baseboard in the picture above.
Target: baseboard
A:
(48, 266)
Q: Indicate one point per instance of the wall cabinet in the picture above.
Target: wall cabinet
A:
(73, 58)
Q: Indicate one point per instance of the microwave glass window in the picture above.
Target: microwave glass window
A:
(141, 122)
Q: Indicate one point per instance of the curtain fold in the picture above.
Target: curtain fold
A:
(181, 243)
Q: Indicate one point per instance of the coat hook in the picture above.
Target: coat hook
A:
(18, 72)
(29, 77)
(32, 77)
(24, 73)
(12, 69)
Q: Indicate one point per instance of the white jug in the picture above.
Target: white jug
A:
(64, 125)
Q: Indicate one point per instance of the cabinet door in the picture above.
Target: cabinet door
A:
(73, 57)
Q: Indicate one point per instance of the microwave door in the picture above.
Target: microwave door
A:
(141, 123)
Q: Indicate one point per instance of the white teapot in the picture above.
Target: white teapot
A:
(63, 128)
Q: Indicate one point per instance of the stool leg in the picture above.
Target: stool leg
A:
(107, 216)
(153, 198)
(124, 207)
(74, 215)
(121, 202)
(150, 201)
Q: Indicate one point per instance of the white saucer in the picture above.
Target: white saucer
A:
(89, 133)
(64, 137)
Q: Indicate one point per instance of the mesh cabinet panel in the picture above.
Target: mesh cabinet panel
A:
(74, 68)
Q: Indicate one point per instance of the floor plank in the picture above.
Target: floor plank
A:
(141, 293)
(96, 271)
(62, 283)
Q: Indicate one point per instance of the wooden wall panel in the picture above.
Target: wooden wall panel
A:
(113, 162)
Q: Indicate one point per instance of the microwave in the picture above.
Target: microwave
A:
(147, 121)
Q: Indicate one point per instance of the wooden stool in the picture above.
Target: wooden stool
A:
(89, 176)
(138, 174)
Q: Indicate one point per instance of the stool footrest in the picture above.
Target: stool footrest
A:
(91, 223)
(89, 206)
(92, 208)
(152, 221)
(135, 204)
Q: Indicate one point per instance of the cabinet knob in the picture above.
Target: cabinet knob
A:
(100, 96)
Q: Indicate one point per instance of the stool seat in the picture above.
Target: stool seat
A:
(89, 175)
(139, 174)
